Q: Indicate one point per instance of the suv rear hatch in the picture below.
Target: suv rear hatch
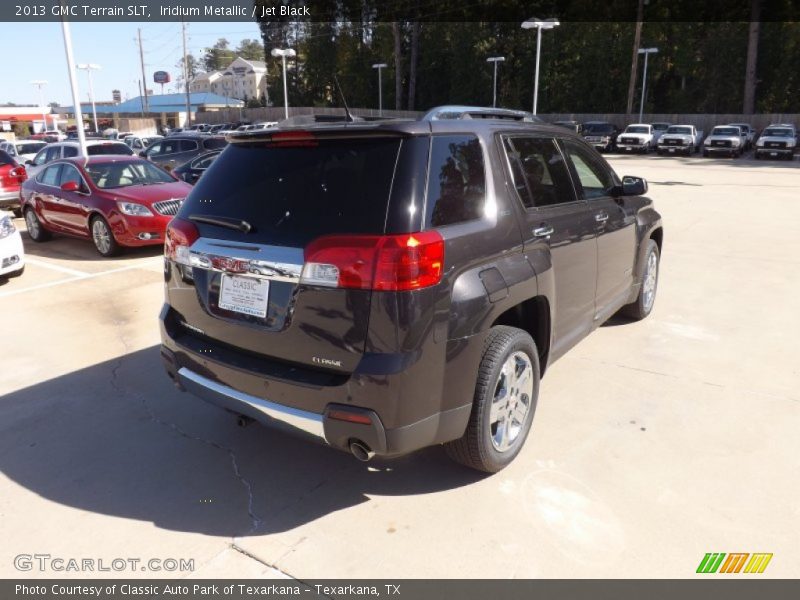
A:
(261, 213)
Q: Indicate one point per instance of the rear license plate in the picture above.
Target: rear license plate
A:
(245, 295)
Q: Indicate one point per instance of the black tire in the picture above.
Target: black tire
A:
(477, 447)
(642, 307)
(705, 153)
(105, 243)
(659, 152)
(17, 273)
(36, 230)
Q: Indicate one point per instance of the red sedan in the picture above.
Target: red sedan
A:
(113, 200)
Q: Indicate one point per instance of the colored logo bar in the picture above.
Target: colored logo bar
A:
(714, 562)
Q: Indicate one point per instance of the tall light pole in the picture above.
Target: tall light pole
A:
(495, 60)
(646, 52)
(284, 54)
(73, 82)
(40, 83)
(89, 67)
(538, 25)
(380, 66)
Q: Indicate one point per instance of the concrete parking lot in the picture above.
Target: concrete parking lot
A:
(653, 443)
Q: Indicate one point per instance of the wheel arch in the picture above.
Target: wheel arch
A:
(532, 316)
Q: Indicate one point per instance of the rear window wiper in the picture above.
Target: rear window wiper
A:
(230, 223)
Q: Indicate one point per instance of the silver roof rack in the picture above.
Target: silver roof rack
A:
(441, 113)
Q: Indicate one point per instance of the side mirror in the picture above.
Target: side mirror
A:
(634, 186)
(29, 162)
(70, 186)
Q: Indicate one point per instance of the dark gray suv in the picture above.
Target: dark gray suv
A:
(174, 150)
(387, 286)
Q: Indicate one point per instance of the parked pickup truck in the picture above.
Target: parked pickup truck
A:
(725, 139)
(680, 139)
(777, 141)
(390, 296)
(600, 134)
(638, 137)
(748, 132)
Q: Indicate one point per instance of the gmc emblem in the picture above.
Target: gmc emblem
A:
(231, 265)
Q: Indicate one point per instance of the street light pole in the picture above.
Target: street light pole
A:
(646, 52)
(495, 60)
(40, 83)
(538, 25)
(284, 54)
(73, 82)
(380, 66)
(89, 68)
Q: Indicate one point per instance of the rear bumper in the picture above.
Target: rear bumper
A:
(338, 411)
(9, 198)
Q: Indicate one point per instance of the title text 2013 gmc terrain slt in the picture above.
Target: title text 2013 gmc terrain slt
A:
(387, 286)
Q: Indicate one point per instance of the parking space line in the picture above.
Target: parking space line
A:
(71, 279)
(46, 265)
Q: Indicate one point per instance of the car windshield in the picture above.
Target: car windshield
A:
(113, 148)
(660, 126)
(149, 140)
(637, 129)
(726, 131)
(777, 132)
(598, 128)
(114, 175)
(684, 130)
(31, 148)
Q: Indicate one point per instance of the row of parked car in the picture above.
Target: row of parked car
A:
(122, 194)
(778, 140)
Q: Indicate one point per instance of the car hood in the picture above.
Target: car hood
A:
(776, 138)
(636, 135)
(148, 194)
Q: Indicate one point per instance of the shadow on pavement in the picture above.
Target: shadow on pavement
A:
(118, 439)
(64, 247)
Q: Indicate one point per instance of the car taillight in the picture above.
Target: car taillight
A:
(19, 173)
(389, 262)
(181, 234)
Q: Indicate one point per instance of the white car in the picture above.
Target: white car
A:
(69, 149)
(779, 140)
(22, 150)
(12, 255)
(138, 143)
(638, 137)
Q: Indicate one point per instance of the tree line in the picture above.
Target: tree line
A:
(701, 67)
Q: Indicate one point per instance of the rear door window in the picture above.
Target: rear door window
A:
(70, 151)
(456, 181)
(538, 170)
(293, 194)
(187, 145)
(53, 152)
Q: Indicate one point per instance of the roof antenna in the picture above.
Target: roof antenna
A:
(341, 93)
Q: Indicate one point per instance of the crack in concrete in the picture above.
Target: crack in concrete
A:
(255, 520)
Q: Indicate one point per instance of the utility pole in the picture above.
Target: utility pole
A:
(380, 66)
(144, 77)
(637, 37)
(186, 77)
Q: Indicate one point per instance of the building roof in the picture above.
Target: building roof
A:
(159, 103)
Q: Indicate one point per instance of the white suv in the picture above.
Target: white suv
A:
(58, 150)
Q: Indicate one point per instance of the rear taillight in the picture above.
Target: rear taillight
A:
(181, 234)
(390, 262)
(19, 173)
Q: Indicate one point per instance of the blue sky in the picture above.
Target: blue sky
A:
(39, 54)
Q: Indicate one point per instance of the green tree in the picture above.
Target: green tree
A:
(250, 50)
(219, 56)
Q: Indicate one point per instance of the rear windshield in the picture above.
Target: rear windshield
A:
(115, 148)
(31, 148)
(291, 195)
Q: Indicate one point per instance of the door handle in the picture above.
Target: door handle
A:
(601, 217)
(543, 231)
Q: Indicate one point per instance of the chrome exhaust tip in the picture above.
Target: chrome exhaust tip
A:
(361, 451)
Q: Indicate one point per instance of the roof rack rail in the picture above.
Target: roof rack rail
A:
(441, 113)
